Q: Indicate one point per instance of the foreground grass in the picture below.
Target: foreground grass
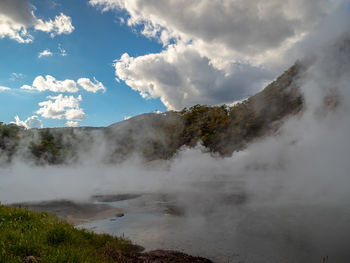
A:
(43, 237)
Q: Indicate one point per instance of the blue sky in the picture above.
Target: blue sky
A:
(104, 60)
(97, 40)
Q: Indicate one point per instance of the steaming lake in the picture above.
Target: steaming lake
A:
(230, 230)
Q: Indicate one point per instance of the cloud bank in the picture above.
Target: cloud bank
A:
(181, 77)
(209, 45)
(17, 18)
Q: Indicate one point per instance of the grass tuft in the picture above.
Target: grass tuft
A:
(27, 236)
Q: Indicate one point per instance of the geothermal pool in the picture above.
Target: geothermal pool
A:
(229, 229)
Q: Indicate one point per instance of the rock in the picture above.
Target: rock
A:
(164, 256)
(32, 259)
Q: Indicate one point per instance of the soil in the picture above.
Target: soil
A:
(79, 213)
(157, 256)
(75, 213)
(114, 198)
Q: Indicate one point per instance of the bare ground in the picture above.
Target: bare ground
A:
(74, 213)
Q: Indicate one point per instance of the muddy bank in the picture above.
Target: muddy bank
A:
(83, 213)
(114, 198)
(156, 256)
(75, 213)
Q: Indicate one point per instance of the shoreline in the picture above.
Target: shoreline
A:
(78, 214)
(75, 213)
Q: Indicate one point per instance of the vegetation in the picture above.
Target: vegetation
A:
(27, 236)
(48, 149)
(220, 129)
(9, 139)
(227, 129)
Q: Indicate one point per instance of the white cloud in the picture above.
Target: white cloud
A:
(17, 17)
(242, 26)
(215, 41)
(58, 107)
(72, 123)
(62, 51)
(29, 123)
(49, 83)
(15, 76)
(27, 87)
(45, 53)
(180, 77)
(2, 88)
(75, 114)
(61, 25)
(90, 86)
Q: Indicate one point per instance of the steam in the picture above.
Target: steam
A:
(297, 180)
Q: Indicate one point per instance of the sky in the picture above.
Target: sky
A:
(97, 62)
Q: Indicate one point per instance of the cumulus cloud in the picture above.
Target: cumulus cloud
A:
(61, 25)
(72, 124)
(17, 17)
(58, 107)
(90, 86)
(29, 123)
(75, 114)
(244, 26)
(2, 88)
(221, 37)
(45, 53)
(181, 77)
(49, 83)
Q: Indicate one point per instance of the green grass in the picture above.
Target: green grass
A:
(44, 236)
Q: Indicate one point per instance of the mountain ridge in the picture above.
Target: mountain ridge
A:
(221, 129)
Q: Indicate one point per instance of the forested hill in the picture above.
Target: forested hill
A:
(221, 129)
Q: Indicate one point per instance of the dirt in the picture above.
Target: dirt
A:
(157, 256)
(79, 213)
(75, 213)
(114, 198)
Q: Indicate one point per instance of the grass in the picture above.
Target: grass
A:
(46, 238)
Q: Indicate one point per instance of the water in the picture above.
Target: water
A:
(232, 231)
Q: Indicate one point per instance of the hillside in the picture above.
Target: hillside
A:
(221, 129)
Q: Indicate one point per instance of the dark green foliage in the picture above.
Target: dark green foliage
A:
(220, 129)
(9, 139)
(58, 235)
(203, 123)
(227, 129)
(43, 236)
(49, 147)
(153, 136)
